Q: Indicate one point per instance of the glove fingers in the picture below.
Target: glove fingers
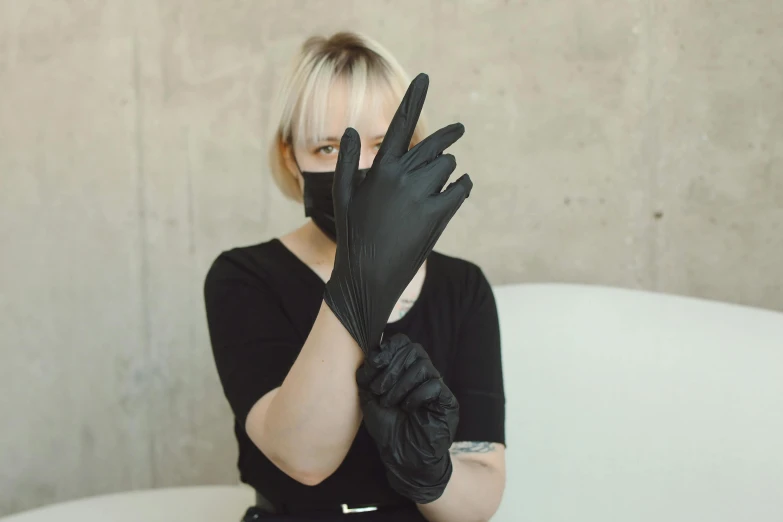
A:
(432, 146)
(447, 402)
(390, 375)
(378, 357)
(451, 199)
(434, 175)
(389, 347)
(347, 167)
(365, 375)
(424, 394)
(358, 179)
(418, 373)
(371, 410)
(398, 137)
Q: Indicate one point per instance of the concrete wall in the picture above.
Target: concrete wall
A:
(634, 143)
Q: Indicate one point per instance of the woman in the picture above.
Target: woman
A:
(363, 369)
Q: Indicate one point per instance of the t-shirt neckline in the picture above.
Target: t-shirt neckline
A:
(423, 293)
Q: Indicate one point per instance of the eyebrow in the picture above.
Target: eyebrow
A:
(332, 138)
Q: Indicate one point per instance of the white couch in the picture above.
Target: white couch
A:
(633, 406)
(189, 504)
(621, 406)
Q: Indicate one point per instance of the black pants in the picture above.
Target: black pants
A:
(387, 515)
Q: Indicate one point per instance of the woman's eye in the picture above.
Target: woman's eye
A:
(326, 149)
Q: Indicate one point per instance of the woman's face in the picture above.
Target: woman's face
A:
(321, 155)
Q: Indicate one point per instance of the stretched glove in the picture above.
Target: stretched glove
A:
(412, 416)
(388, 221)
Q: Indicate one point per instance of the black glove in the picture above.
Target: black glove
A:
(412, 416)
(388, 221)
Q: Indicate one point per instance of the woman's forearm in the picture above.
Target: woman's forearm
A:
(312, 420)
(473, 494)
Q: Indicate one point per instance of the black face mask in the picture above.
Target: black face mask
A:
(318, 203)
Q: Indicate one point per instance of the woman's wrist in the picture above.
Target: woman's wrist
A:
(330, 325)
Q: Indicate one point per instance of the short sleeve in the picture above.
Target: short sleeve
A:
(478, 372)
(253, 341)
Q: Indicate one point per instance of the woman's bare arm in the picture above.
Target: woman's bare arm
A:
(306, 426)
(476, 486)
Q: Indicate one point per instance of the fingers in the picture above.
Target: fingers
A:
(400, 373)
(369, 403)
(426, 393)
(347, 167)
(395, 343)
(365, 375)
(433, 145)
(360, 176)
(390, 375)
(434, 175)
(447, 400)
(405, 373)
(398, 136)
(412, 377)
(452, 198)
(379, 357)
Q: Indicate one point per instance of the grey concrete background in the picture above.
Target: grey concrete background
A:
(634, 143)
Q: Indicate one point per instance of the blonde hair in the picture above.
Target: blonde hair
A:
(299, 111)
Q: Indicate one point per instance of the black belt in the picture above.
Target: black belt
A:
(267, 506)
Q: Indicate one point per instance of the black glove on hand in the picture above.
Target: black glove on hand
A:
(388, 221)
(412, 416)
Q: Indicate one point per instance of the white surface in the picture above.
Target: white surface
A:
(622, 406)
(193, 504)
(633, 406)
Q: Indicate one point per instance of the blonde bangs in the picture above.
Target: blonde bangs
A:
(375, 82)
(370, 91)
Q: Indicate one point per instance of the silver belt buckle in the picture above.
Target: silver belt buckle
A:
(346, 509)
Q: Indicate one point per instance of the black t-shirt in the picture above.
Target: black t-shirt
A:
(261, 303)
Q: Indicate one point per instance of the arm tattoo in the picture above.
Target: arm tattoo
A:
(472, 447)
(405, 305)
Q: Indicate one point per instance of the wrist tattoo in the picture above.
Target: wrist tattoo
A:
(472, 447)
(405, 305)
